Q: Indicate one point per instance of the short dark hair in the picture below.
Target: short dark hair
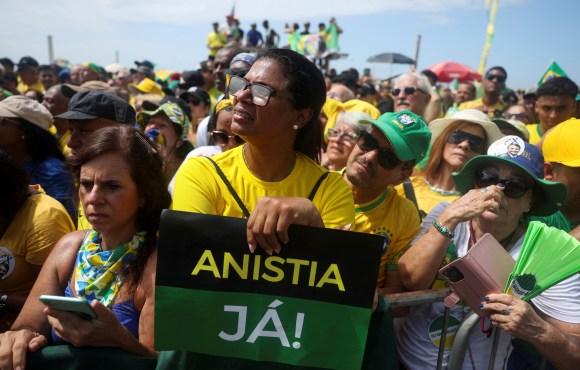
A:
(46, 67)
(307, 87)
(430, 74)
(558, 86)
(498, 68)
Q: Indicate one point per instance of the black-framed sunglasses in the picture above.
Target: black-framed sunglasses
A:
(386, 158)
(512, 187)
(498, 78)
(476, 143)
(223, 138)
(260, 93)
(342, 135)
(407, 90)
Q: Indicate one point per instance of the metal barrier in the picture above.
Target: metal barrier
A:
(461, 341)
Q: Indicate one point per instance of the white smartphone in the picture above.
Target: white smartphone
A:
(78, 305)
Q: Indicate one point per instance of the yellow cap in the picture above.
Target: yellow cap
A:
(562, 144)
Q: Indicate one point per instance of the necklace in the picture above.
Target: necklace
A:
(441, 191)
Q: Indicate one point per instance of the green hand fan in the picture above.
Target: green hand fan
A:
(548, 256)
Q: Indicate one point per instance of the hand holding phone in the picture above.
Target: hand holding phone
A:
(70, 304)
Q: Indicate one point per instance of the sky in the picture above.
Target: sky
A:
(529, 34)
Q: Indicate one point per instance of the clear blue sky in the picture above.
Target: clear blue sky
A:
(172, 33)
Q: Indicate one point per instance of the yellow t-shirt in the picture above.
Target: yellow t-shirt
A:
(478, 104)
(63, 140)
(427, 199)
(198, 188)
(535, 133)
(22, 87)
(215, 40)
(393, 217)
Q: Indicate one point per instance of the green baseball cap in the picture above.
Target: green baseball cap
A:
(407, 133)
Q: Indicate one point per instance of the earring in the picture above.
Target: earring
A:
(23, 137)
(295, 127)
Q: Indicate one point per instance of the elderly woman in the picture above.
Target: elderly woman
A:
(276, 112)
(25, 137)
(342, 138)
(505, 191)
(122, 191)
(171, 122)
(454, 141)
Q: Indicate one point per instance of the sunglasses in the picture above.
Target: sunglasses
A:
(223, 138)
(518, 116)
(476, 143)
(498, 78)
(342, 135)
(260, 93)
(386, 158)
(512, 187)
(408, 91)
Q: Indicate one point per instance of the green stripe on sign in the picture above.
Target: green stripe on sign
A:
(260, 327)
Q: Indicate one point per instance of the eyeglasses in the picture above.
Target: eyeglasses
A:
(386, 158)
(223, 138)
(498, 78)
(476, 143)
(408, 91)
(512, 187)
(342, 135)
(518, 116)
(260, 93)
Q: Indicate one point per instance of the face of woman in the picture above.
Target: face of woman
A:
(510, 209)
(224, 123)
(109, 196)
(456, 155)
(273, 122)
(340, 144)
(165, 126)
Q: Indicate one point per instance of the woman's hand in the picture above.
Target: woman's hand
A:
(105, 330)
(15, 344)
(513, 315)
(269, 222)
(472, 204)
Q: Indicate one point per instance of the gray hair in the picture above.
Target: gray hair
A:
(422, 80)
(351, 120)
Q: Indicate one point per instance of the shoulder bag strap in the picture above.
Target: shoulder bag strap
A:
(317, 185)
(230, 188)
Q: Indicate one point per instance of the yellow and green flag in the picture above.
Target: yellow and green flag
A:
(553, 70)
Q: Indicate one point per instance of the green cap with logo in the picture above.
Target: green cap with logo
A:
(407, 133)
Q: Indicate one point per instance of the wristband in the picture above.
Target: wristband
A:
(3, 302)
(443, 230)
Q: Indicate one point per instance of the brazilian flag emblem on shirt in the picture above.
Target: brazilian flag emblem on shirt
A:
(309, 305)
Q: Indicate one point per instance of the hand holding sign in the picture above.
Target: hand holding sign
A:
(269, 221)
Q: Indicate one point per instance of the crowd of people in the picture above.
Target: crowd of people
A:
(89, 156)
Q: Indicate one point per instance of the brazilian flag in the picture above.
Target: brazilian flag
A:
(309, 305)
(554, 70)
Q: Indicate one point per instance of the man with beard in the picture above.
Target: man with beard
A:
(490, 103)
(412, 91)
(383, 157)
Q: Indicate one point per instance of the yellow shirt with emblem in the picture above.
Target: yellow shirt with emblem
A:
(427, 199)
(39, 223)
(22, 87)
(535, 133)
(478, 104)
(393, 217)
(198, 188)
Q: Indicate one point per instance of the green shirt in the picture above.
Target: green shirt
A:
(557, 220)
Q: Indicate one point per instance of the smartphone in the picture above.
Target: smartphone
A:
(77, 305)
(485, 269)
